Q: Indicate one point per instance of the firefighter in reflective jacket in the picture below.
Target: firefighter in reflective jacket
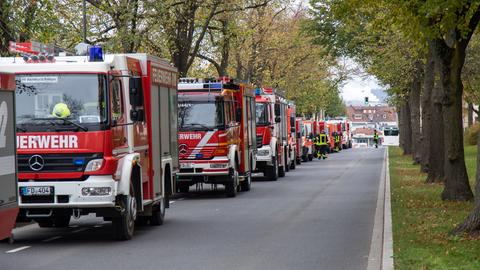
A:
(375, 138)
(322, 146)
(336, 137)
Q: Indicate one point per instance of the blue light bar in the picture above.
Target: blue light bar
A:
(258, 91)
(95, 54)
(216, 85)
(199, 155)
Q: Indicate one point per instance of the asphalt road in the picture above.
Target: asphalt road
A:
(319, 216)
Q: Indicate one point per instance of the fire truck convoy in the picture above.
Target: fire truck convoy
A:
(273, 158)
(216, 134)
(96, 134)
(8, 177)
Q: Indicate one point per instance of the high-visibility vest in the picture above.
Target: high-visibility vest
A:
(375, 136)
(323, 139)
(337, 138)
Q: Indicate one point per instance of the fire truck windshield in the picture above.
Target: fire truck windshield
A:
(200, 115)
(76, 99)
(262, 114)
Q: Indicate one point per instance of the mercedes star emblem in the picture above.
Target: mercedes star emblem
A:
(36, 162)
(182, 149)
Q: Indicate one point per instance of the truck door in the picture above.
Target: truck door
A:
(8, 177)
(118, 116)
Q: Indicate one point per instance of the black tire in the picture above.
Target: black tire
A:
(287, 166)
(231, 185)
(271, 172)
(124, 226)
(45, 222)
(158, 214)
(183, 188)
(62, 221)
(310, 157)
(293, 165)
(298, 160)
(246, 184)
(281, 170)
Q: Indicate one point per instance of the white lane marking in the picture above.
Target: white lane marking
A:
(52, 238)
(80, 230)
(98, 226)
(172, 201)
(18, 249)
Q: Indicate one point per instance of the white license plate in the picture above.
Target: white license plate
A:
(186, 165)
(36, 191)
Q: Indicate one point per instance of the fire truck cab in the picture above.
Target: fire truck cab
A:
(8, 173)
(216, 134)
(95, 134)
(299, 130)
(272, 138)
(307, 145)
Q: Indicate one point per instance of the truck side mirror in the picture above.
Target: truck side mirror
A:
(277, 110)
(278, 119)
(137, 115)
(238, 115)
(135, 91)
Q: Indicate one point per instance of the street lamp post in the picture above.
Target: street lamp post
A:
(84, 21)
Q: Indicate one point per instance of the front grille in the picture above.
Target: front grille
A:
(259, 141)
(58, 162)
(202, 153)
(37, 199)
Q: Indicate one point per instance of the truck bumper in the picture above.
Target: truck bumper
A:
(203, 168)
(69, 194)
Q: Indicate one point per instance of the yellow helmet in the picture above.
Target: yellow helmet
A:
(61, 110)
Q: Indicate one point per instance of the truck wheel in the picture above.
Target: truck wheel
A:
(183, 188)
(61, 221)
(287, 166)
(231, 186)
(281, 171)
(45, 222)
(158, 214)
(310, 157)
(271, 172)
(247, 183)
(304, 158)
(293, 165)
(124, 226)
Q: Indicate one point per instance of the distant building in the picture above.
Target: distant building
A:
(366, 119)
(378, 116)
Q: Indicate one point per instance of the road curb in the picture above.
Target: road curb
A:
(381, 246)
(387, 260)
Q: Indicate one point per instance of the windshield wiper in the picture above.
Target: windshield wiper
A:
(197, 124)
(65, 121)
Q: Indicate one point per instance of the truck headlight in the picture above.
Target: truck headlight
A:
(94, 165)
(96, 191)
(264, 152)
(218, 165)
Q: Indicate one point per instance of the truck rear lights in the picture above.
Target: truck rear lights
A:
(218, 165)
(94, 165)
(96, 191)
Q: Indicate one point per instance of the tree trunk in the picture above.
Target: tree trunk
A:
(435, 140)
(428, 83)
(406, 132)
(470, 114)
(472, 222)
(414, 101)
(451, 61)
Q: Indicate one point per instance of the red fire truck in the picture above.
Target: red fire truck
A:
(291, 136)
(8, 177)
(216, 134)
(96, 134)
(272, 137)
(299, 130)
(307, 145)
